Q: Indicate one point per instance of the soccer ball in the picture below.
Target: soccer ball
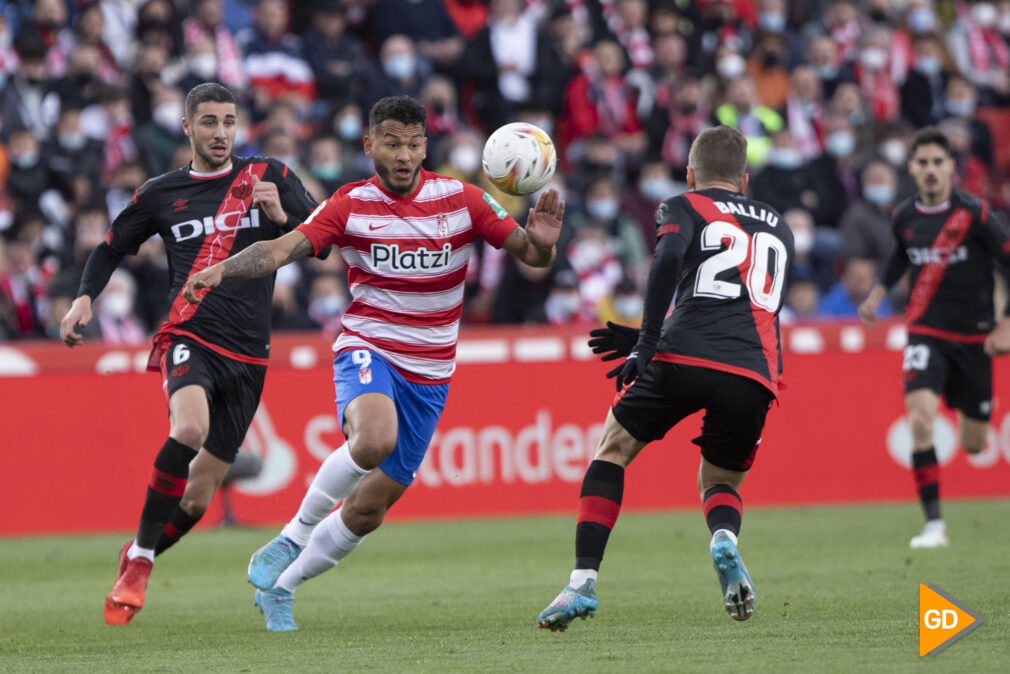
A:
(519, 158)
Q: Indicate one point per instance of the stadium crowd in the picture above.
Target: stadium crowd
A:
(828, 94)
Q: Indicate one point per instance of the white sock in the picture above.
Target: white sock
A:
(729, 534)
(330, 542)
(580, 576)
(335, 480)
(137, 551)
(939, 525)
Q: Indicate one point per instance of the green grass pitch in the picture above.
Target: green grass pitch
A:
(837, 591)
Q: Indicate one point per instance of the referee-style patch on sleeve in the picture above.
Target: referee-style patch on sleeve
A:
(495, 206)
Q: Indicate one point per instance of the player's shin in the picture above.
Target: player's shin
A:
(723, 510)
(599, 505)
(926, 471)
(336, 479)
(165, 490)
(330, 542)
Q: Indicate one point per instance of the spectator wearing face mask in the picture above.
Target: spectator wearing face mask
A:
(805, 111)
(440, 100)
(767, 66)
(114, 311)
(783, 182)
(755, 121)
(809, 261)
(327, 301)
(565, 304)
(207, 24)
(275, 59)
(655, 184)
(22, 291)
(426, 24)
(158, 138)
(866, 225)
(834, 175)
(325, 165)
(960, 103)
(874, 75)
(980, 52)
(922, 94)
(623, 306)
(26, 100)
(801, 301)
(401, 74)
(625, 239)
(71, 155)
(29, 175)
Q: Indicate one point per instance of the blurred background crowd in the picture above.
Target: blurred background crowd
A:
(828, 94)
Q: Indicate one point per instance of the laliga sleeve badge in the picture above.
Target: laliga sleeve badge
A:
(365, 376)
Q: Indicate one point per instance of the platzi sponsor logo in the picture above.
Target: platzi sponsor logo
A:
(942, 620)
(390, 257)
(225, 222)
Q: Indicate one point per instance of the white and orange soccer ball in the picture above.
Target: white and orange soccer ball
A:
(519, 158)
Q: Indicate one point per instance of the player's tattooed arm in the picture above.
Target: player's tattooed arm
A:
(518, 243)
(259, 259)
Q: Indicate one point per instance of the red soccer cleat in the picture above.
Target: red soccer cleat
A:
(127, 595)
(123, 559)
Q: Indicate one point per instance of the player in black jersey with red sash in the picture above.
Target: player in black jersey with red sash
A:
(726, 257)
(949, 242)
(213, 357)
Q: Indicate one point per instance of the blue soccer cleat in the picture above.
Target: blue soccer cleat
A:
(570, 604)
(737, 587)
(268, 563)
(275, 605)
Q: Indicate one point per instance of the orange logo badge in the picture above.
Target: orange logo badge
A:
(942, 620)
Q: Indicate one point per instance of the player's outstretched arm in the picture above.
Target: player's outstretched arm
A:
(868, 307)
(535, 245)
(97, 272)
(259, 259)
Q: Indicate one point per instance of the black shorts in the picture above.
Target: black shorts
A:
(735, 410)
(961, 373)
(233, 391)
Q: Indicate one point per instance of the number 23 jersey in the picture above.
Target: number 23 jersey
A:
(731, 286)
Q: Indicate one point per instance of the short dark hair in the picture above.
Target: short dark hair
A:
(207, 92)
(930, 135)
(719, 153)
(403, 109)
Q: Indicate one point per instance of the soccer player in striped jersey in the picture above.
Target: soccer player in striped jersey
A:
(726, 257)
(950, 243)
(406, 236)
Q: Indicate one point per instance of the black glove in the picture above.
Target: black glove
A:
(614, 341)
(634, 365)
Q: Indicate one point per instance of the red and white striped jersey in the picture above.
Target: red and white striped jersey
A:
(406, 260)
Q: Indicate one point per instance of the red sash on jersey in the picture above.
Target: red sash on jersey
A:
(216, 248)
(946, 242)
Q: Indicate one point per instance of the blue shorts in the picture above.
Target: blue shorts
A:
(418, 406)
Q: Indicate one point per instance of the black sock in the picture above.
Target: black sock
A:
(926, 471)
(178, 526)
(168, 482)
(723, 509)
(599, 504)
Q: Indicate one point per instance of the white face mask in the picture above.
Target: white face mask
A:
(399, 66)
(984, 14)
(879, 194)
(840, 143)
(602, 209)
(921, 20)
(323, 309)
(168, 116)
(803, 241)
(349, 127)
(873, 58)
(203, 66)
(561, 306)
(117, 303)
(628, 306)
(894, 152)
(465, 158)
(785, 157)
(657, 188)
(731, 66)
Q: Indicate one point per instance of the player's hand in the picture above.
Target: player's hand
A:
(998, 341)
(543, 226)
(199, 283)
(614, 341)
(633, 366)
(266, 197)
(79, 314)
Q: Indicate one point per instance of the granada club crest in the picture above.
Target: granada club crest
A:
(242, 192)
(443, 224)
(365, 376)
